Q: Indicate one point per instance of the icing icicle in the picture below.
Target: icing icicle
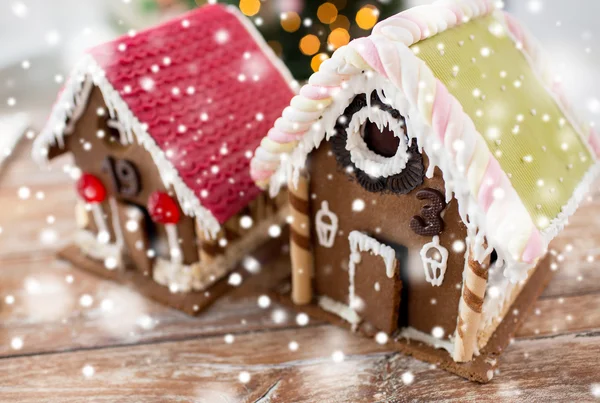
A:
(383, 62)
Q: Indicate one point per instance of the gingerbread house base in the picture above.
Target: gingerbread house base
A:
(190, 302)
(481, 368)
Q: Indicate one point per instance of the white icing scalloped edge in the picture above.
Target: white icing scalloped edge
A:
(417, 128)
(414, 334)
(365, 159)
(89, 245)
(360, 242)
(541, 71)
(339, 309)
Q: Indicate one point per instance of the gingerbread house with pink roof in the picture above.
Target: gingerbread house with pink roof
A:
(429, 166)
(162, 125)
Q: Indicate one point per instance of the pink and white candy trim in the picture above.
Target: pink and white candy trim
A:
(383, 61)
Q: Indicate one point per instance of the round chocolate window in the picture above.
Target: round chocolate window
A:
(385, 143)
(381, 142)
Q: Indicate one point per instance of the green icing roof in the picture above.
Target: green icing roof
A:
(523, 126)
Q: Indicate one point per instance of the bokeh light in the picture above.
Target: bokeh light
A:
(367, 17)
(327, 13)
(276, 46)
(316, 61)
(310, 44)
(338, 38)
(250, 7)
(339, 4)
(340, 22)
(290, 21)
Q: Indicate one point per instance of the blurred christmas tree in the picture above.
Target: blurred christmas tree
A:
(304, 33)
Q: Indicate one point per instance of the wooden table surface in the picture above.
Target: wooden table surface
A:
(67, 336)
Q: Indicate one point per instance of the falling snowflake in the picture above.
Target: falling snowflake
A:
(244, 377)
(274, 231)
(110, 263)
(88, 371)
(52, 38)
(293, 346)
(358, 205)
(147, 83)
(107, 305)
(235, 279)
(458, 246)
(494, 292)
(251, 265)
(20, 9)
(381, 338)
(222, 36)
(146, 322)
(408, 378)
(132, 226)
(229, 338)
(264, 301)
(535, 6)
(279, 316)
(437, 332)
(302, 319)
(24, 192)
(16, 343)
(48, 236)
(246, 222)
(338, 356)
(596, 390)
(86, 300)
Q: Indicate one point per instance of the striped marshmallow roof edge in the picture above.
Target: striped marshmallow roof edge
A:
(387, 61)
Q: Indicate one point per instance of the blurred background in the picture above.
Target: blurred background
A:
(40, 40)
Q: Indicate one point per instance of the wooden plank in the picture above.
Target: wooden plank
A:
(209, 369)
(22, 170)
(170, 356)
(36, 225)
(56, 307)
(48, 316)
(552, 316)
(578, 272)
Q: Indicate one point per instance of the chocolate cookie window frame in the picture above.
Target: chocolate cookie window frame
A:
(403, 182)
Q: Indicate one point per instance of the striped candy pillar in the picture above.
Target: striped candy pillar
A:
(469, 312)
(301, 255)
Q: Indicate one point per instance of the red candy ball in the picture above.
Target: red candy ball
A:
(163, 209)
(91, 189)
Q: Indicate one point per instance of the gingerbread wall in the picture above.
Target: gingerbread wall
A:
(90, 153)
(385, 217)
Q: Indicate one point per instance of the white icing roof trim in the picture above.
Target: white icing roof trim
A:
(344, 68)
(87, 68)
(538, 61)
(474, 218)
(53, 135)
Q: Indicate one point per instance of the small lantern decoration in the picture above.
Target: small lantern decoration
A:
(434, 263)
(164, 210)
(93, 192)
(327, 225)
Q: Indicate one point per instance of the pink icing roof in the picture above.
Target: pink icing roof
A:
(208, 91)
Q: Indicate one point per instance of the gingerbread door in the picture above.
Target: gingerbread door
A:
(135, 236)
(375, 284)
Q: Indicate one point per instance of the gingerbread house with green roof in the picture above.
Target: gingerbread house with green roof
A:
(430, 165)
